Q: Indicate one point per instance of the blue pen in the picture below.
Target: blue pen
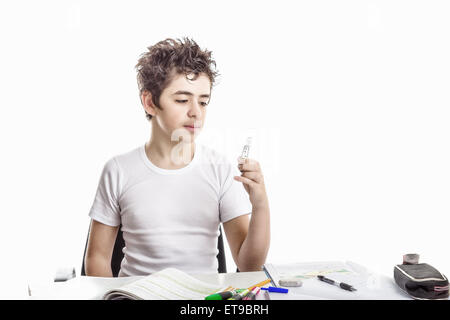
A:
(275, 289)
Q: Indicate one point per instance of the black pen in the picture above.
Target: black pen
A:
(339, 284)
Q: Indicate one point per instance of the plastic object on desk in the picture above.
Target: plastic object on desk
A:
(290, 282)
(64, 274)
(420, 280)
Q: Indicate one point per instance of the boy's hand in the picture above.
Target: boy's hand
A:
(253, 181)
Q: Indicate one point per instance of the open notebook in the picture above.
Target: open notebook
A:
(168, 284)
(369, 285)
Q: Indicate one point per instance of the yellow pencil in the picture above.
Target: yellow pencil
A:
(260, 284)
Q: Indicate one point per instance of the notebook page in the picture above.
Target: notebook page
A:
(368, 285)
(168, 284)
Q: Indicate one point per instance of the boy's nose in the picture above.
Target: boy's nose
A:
(195, 110)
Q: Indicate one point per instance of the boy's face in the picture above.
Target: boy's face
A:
(183, 104)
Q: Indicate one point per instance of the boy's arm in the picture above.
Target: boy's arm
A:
(99, 250)
(249, 241)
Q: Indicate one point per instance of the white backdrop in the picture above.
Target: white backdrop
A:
(347, 101)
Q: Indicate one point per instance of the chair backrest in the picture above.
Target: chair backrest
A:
(117, 255)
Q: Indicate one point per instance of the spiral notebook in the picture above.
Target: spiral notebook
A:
(369, 285)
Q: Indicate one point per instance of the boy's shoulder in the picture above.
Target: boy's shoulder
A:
(123, 160)
(130, 155)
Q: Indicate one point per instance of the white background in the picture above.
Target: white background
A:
(347, 101)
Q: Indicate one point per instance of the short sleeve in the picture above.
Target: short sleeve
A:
(234, 200)
(105, 208)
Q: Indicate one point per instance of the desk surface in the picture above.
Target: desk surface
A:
(94, 287)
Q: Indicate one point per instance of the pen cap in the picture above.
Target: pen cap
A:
(275, 289)
(215, 296)
(220, 295)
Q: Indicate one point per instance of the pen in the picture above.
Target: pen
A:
(339, 284)
(252, 294)
(239, 295)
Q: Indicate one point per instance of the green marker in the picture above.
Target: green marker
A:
(223, 295)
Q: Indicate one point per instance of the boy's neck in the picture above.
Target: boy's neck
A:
(169, 154)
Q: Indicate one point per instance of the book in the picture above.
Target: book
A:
(167, 284)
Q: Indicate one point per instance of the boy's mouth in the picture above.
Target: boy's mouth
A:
(196, 124)
(192, 128)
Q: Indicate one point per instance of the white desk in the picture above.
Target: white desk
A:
(94, 287)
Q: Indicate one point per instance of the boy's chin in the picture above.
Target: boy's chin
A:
(188, 136)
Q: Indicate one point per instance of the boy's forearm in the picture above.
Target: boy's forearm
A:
(98, 267)
(254, 249)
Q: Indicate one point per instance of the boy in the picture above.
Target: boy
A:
(171, 194)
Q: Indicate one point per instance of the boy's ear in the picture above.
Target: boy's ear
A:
(147, 103)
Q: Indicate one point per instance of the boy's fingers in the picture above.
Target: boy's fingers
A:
(252, 175)
(241, 160)
(249, 168)
(244, 180)
(244, 160)
(249, 165)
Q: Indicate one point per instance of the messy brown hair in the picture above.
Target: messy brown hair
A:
(155, 67)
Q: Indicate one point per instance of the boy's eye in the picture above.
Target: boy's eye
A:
(204, 104)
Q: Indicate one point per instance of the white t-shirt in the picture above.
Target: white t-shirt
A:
(170, 218)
